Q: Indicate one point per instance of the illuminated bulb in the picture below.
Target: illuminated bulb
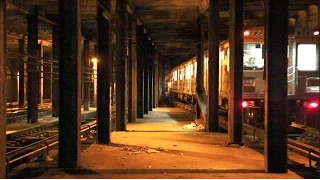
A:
(244, 104)
(316, 33)
(246, 33)
(94, 60)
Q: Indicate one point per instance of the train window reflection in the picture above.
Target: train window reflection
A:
(307, 57)
(252, 57)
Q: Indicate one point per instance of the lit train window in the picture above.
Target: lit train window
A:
(181, 73)
(252, 57)
(307, 57)
(188, 74)
(175, 75)
(228, 59)
(221, 56)
(206, 59)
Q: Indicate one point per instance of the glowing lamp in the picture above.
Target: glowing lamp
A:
(316, 33)
(94, 60)
(246, 33)
(244, 104)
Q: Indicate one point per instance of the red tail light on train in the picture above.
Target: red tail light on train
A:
(244, 104)
(312, 105)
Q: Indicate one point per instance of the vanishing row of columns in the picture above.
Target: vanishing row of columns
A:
(66, 104)
(135, 95)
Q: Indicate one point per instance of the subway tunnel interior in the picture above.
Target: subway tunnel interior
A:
(164, 33)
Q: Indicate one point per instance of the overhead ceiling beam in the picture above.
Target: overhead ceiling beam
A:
(11, 3)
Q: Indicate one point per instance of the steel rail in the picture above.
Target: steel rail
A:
(36, 147)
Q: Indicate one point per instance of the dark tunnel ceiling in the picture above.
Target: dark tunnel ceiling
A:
(171, 24)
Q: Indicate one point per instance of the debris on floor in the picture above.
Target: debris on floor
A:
(137, 149)
(149, 151)
(190, 126)
(194, 126)
(201, 128)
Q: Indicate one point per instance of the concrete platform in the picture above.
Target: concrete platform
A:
(148, 150)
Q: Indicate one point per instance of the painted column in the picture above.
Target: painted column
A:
(105, 60)
(41, 77)
(151, 90)
(121, 50)
(146, 74)
(22, 67)
(156, 79)
(213, 67)
(276, 115)
(94, 71)
(134, 68)
(236, 72)
(55, 69)
(200, 56)
(140, 74)
(86, 75)
(3, 89)
(33, 67)
(70, 84)
(132, 62)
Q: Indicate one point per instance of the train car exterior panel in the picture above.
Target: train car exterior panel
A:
(303, 76)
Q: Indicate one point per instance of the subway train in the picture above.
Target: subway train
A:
(303, 77)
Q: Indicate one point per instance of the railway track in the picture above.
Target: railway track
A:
(303, 149)
(22, 116)
(26, 145)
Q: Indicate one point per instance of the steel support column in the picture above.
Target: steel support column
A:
(165, 86)
(121, 51)
(156, 79)
(146, 85)
(162, 78)
(3, 98)
(41, 74)
(200, 56)
(86, 76)
(105, 60)
(146, 74)
(33, 68)
(236, 72)
(318, 15)
(151, 90)
(140, 74)
(276, 114)
(22, 67)
(94, 71)
(132, 116)
(55, 79)
(213, 67)
(70, 83)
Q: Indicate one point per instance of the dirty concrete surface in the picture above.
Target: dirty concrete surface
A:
(160, 146)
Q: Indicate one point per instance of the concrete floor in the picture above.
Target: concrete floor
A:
(149, 150)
